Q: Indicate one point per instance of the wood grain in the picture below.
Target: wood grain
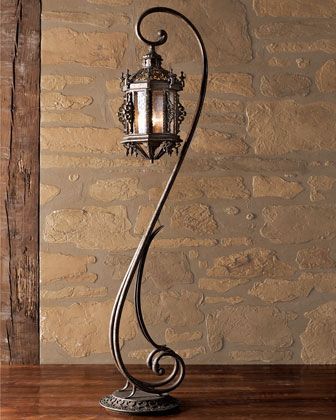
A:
(20, 78)
(214, 392)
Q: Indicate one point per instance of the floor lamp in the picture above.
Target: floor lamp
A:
(151, 115)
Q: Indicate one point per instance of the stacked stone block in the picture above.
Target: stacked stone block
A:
(244, 270)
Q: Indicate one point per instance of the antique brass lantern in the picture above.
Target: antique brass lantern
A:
(151, 112)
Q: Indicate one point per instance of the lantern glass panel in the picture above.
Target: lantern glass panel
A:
(157, 111)
(140, 112)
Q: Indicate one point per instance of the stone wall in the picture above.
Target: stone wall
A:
(244, 270)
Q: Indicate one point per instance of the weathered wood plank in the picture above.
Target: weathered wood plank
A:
(208, 392)
(20, 75)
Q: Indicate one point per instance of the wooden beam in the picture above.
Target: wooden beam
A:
(20, 79)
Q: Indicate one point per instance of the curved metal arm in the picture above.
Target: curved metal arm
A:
(162, 34)
(138, 260)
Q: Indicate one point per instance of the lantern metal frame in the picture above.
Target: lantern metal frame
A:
(143, 396)
(140, 90)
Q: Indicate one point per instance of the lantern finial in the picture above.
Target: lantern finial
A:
(151, 59)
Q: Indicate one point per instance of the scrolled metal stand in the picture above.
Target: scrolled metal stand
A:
(139, 396)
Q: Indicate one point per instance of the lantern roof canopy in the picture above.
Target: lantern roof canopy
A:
(152, 71)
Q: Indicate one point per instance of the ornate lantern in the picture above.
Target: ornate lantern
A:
(152, 112)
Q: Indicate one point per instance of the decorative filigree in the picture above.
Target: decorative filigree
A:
(170, 111)
(131, 148)
(139, 404)
(166, 147)
(158, 73)
(182, 79)
(126, 113)
(172, 78)
(150, 73)
(180, 114)
(125, 80)
(169, 147)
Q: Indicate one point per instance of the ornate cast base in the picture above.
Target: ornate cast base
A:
(141, 403)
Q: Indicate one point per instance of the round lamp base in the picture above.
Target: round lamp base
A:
(140, 403)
